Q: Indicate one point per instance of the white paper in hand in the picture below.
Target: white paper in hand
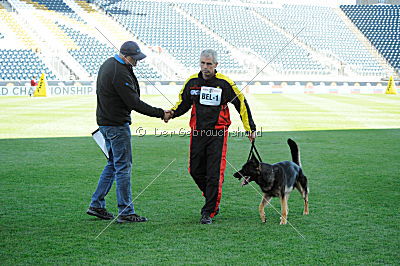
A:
(99, 138)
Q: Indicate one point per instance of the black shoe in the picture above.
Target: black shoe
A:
(100, 212)
(132, 218)
(206, 219)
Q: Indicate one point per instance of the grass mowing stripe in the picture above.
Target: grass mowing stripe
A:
(386, 99)
(266, 112)
(75, 115)
(356, 115)
(376, 114)
(349, 113)
(370, 101)
(312, 116)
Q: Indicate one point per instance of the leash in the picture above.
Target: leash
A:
(252, 150)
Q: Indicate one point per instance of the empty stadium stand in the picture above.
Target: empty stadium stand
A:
(249, 31)
(182, 29)
(159, 24)
(9, 21)
(67, 31)
(56, 5)
(324, 31)
(381, 25)
(22, 64)
(92, 53)
(18, 59)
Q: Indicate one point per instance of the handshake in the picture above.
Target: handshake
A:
(168, 114)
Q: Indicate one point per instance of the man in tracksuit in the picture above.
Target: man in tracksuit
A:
(208, 93)
(117, 95)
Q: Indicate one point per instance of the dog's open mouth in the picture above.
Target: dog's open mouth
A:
(245, 181)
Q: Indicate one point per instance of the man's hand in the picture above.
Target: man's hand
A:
(251, 136)
(168, 115)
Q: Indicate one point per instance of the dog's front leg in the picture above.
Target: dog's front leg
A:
(284, 208)
(264, 201)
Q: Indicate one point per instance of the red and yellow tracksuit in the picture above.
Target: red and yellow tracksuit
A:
(209, 124)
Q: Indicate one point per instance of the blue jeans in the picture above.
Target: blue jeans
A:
(119, 167)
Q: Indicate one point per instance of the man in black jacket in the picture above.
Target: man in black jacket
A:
(208, 93)
(117, 95)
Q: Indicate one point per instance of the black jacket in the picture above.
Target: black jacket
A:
(212, 116)
(118, 94)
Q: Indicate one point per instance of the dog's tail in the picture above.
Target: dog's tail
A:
(294, 150)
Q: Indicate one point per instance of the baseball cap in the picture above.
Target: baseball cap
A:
(132, 49)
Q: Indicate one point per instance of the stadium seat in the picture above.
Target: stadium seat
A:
(380, 24)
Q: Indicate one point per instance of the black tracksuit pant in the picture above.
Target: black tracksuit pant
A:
(207, 165)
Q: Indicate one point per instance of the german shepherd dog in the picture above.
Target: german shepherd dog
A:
(276, 180)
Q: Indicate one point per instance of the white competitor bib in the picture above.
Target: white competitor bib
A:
(210, 96)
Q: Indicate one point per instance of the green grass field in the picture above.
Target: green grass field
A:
(350, 153)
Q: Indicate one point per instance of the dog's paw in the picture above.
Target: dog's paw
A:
(305, 213)
(283, 221)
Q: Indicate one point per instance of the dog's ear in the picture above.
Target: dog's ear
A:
(254, 159)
